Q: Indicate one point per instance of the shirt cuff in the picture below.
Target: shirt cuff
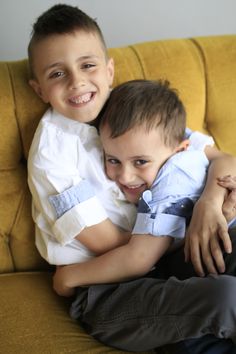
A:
(162, 225)
(71, 223)
(70, 197)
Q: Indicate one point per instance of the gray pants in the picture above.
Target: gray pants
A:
(167, 306)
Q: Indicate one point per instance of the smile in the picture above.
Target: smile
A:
(134, 188)
(81, 99)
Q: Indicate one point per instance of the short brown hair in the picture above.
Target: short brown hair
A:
(145, 102)
(62, 19)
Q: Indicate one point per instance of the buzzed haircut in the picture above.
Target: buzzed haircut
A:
(148, 103)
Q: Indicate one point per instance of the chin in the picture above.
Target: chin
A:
(132, 199)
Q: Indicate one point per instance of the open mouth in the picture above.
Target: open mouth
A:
(81, 99)
(134, 190)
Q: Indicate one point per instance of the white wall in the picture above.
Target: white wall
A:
(122, 21)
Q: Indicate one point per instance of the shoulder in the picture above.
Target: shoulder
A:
(183, 164)
(189, 157)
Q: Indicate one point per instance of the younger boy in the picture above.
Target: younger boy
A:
(146, 153)
(142, 130)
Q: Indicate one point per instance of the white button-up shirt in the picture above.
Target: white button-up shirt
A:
(63, 153)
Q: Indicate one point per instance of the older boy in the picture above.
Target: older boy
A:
(73, 200)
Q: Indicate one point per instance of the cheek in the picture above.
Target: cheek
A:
(47, 94)
(150, 177)
(55, 94)
(104, 80)
(110, 172)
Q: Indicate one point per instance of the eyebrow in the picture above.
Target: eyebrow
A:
(139, 157)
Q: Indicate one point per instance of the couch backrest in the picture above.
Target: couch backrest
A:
(203, 70)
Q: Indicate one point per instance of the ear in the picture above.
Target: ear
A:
(110, 70)
(182, 146)
(37, 88)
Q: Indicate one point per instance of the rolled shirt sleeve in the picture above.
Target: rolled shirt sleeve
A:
(72, 222)
(75, 208)
(161, 225)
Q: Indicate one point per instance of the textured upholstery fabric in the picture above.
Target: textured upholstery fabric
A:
(33, 318)
(36, 321)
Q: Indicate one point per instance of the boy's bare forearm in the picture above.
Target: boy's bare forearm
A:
(121, 264)
(225, 164)
(103, 237)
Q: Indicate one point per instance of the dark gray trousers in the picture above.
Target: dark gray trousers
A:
(168, 305)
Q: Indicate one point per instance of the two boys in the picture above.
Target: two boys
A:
(76, 207)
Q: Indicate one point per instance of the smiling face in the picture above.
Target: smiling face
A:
(133, 159)
(73, 74)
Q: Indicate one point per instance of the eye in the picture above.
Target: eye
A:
(56, 74)
(88, 66)
(140, 162)
(112, 161)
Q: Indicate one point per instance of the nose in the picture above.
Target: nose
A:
(125, 175)
(77, 79)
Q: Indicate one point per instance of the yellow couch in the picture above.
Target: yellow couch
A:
(33, 318)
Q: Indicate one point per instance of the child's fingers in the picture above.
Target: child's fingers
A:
(229, 184)
(227, 178)
(225, 238)
(229, 206)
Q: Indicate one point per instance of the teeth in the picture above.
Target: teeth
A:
(81, 99)
(133, 187)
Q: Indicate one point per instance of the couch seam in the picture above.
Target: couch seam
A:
(15, 109)
(200, 51)
(138, 58)
(21, 200)
(21, 197)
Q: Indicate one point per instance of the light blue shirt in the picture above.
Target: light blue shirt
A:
(164, 208)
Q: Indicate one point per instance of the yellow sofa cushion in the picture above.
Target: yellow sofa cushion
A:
(219, 58)
(35, 320)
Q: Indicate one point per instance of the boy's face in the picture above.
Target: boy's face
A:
(133, 159)
(72, 74)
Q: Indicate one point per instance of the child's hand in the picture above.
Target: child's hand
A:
(207, 233)
(229, 206)
(59, 284)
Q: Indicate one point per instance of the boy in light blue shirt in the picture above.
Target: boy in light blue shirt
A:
(148, 154)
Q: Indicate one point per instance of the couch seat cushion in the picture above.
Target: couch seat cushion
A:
(34, 320)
